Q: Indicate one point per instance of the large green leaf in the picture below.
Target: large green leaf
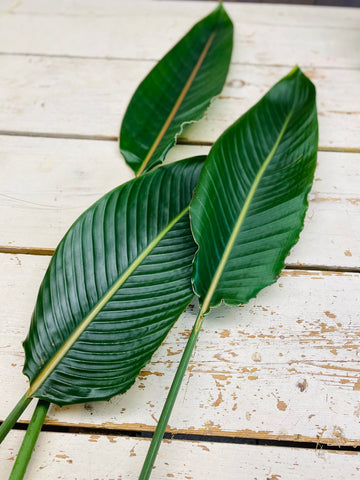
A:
(250, 201)
(177, 91)
(117, 282)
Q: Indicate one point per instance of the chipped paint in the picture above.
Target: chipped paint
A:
(357, 385)
(256, 357)
(281, 405)
(218, 401)
(225, 333)
(204, 447)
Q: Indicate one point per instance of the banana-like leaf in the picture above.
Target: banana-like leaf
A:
(251, 199)
(117, 282)
(177, 91)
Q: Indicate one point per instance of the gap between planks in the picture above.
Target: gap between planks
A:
(153, 60)
(113, 138)
(302, 442)
(42, 251)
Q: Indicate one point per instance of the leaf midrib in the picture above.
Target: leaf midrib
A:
(240, 220)
(177, 104)
(62, 351)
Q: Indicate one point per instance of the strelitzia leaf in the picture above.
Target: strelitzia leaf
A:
(177, 91)
(250, 201)
(248, 208)
(117, 282)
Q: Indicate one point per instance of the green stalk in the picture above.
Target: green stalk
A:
(11, 419)
(170, 400)
(29, 441)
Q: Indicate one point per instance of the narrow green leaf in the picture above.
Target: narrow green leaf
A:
(177, 91)
(117, 282)
(250, 201)
(248, 209)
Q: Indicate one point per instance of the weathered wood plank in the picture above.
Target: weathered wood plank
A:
(70, 96)
(303, 35)
(283, 367)
(274, 14)
(47, 183)
(69, 456)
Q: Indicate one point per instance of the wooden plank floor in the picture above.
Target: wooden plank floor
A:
(282, 370)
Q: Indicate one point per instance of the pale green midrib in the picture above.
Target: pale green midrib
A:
(240, 220)
(59, 355)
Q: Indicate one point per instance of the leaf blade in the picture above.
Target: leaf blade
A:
(180, 91)
(251, 192)
(76, 350)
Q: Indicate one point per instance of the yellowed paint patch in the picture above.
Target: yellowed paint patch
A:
(256, 357)
(357, 410)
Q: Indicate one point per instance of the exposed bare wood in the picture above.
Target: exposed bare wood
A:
(69, 456)
(274, 369)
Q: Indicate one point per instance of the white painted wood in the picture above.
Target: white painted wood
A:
(276, 14)
(47, 183)
(85, 457)
(146, 30)
(90, 96)
(286, 366)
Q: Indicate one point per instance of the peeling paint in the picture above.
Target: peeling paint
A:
(281, 405)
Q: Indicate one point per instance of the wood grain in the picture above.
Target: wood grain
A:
(283, 367)
(72, 96)
(47, 183)
(303, 35)
(69, 456)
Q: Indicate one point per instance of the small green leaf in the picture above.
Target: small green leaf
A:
(177, 91)
(117, 282)
(250, 201)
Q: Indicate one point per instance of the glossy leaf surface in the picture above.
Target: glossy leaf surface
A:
(178, 90)
(117, 282)
(250, 202)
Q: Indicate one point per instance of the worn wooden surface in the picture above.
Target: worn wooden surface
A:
(105, 456)
(283, 368)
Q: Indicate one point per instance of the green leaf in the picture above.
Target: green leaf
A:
(117, 282)
(177, 91)
(250, 201)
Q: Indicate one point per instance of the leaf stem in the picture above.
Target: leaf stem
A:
(11, 419)
(29, 441)
(170, 400)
